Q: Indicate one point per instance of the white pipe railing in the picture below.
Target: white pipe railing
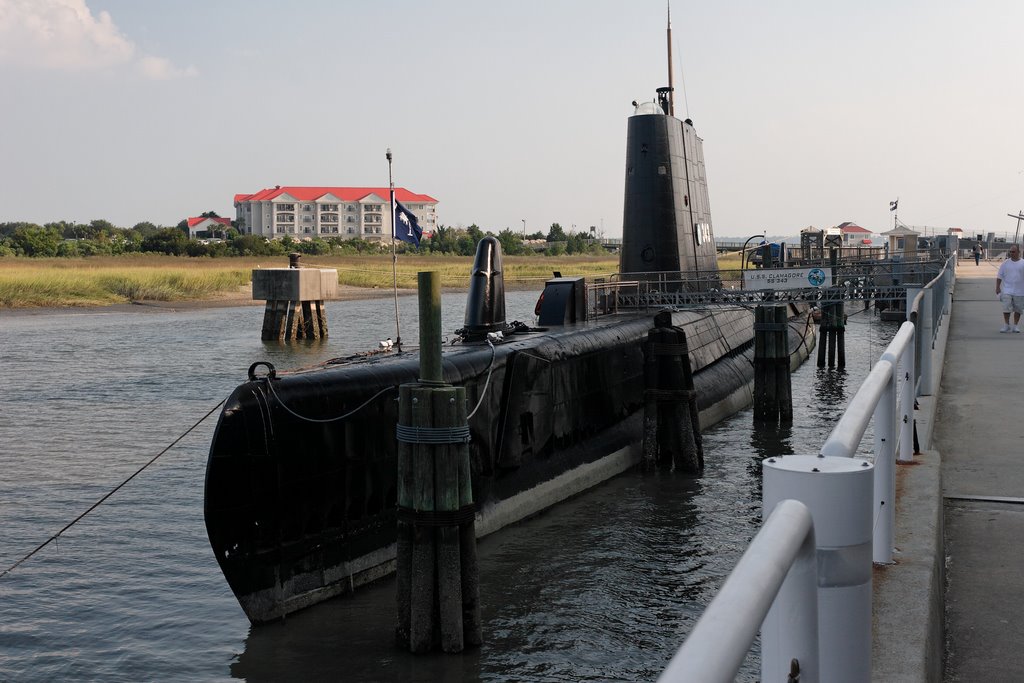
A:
(877, 399)
(781, 560)
(715, 649)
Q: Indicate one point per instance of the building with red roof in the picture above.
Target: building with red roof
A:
(346, 212)
(207, 226)
(853, 234)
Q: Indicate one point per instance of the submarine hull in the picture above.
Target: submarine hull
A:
(301, 506)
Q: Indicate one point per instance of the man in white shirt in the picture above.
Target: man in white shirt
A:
(1010, 288)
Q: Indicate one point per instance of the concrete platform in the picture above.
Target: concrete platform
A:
(979, 432)
(952, 606)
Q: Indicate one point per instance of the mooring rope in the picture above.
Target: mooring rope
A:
(117, 488)
(487, 382)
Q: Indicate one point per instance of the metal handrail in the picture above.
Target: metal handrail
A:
(715, 649)
(731, 622)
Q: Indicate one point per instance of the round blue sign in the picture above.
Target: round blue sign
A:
(816, 277)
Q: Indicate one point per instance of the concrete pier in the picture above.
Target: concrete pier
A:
(295, 300)
(960, 510)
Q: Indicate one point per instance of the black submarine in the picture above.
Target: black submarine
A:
(300, 493)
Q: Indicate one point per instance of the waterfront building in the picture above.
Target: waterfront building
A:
(345, 212)
(854, 235)
(207, 226)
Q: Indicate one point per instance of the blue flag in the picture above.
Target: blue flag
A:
(407, 227)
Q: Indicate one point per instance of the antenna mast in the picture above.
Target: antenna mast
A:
(671, 97)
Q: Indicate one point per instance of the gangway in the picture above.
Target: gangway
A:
(876, 280)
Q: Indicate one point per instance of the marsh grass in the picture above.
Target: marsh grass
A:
(99, 281)
(28, 283)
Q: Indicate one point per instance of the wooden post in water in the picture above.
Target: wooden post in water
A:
(832, 329)
(773, 396)
(671, 418)
(783, 382)
(438, 579)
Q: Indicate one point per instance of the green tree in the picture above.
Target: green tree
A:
(32, 240)
(555, 249)
(144, 229)
(443, 240)
(314, 247)
(166, 241)
(255, 245)
(100, 226)
(556, 234)
(69, 249)
(511, 242)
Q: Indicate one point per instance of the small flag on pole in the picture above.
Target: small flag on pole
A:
(892, 205)
(407, 227)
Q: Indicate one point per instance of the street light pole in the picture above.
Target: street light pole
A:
(743, 256)
(524, 228)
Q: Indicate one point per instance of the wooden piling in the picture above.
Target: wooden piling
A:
(671, 419)
(773, 399)
(438, 579)
(783, 381)
(403, 564)
(446, 487)
(472, 627)
(832, 333)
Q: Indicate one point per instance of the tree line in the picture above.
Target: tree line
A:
(102, 238)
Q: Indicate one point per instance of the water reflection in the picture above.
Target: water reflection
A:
(768, 440)
(596, 589)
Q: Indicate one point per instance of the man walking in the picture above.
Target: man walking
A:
(1010, 288)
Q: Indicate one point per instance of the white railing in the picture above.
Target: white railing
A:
(887, 395)
(835, 489)
(781, 556)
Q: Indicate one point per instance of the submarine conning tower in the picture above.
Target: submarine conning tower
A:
(666, 222)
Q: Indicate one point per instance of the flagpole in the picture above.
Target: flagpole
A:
(394, 256)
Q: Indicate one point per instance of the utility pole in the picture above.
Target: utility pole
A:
(1019, 217)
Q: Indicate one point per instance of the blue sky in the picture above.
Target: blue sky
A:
(812, 112)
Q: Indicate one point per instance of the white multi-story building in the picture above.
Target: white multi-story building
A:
(346, 212)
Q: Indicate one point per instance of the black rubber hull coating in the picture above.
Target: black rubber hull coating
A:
(299, 511)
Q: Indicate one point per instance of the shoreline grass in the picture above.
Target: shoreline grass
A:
(107, 280)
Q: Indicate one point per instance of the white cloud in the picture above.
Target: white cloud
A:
(65, 35)
(160, 69)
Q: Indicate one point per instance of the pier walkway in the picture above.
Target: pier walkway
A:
(979, 435)
(952, 607)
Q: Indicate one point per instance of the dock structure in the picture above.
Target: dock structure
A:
(295, 300)
(981, 485)
(946, 607)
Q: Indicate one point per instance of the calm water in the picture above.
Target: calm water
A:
(603, 587)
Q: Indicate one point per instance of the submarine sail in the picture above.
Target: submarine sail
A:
(666, 222)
